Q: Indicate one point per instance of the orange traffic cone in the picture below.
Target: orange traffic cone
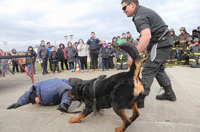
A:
(77, 68)
(26, 70)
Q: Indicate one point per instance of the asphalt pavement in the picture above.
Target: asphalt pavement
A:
(157, 116)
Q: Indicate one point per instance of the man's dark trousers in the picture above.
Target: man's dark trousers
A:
(94, 55)
(44, 65)
(156, 69)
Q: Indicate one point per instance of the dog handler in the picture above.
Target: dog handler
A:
(157, 41)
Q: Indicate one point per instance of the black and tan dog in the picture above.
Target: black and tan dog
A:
(118, 91)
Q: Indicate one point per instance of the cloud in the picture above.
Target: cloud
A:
(26, 22)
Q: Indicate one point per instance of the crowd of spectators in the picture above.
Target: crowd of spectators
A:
(99, 54)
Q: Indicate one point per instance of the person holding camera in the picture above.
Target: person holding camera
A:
(94, 47)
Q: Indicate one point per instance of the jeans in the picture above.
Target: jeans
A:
(71, 65)
(4, 67)
(29, 69)
(79, 63)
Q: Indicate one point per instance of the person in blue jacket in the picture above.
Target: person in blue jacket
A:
(47, 93)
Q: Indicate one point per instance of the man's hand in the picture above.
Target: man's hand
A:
(63, 107)
(14, 106)
(199, 61)
(188, 55)
(130, 61)
(146, 52)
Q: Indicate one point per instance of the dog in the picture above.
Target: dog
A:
(119, 91)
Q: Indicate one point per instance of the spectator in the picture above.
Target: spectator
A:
(112, 54)
(15, 65)
(1, 51)
(195, 56)
(124, 38)
(49, 47)
(43, 56)
(28, 62)
(121, 56)
(114, 43)
(194, 34)
(198, 28)
(70, 51)
(129, 38)
(175, 38)
(93, 43)
(119, 41)
(53, 58)
(77, 57)
(30, 49)
(182, 40)
(83, 52)
(183, 37)
(4, 65)
(186, 55)
(62, 56)
(104, 53)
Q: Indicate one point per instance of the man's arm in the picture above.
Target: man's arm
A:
(143, 43)
(144, 40)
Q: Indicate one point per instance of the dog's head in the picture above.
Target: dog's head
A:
(77, 88)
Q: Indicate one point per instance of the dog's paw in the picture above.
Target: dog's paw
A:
(119, 129)
(74, 120)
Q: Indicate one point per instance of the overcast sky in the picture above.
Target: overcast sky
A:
(27, 22)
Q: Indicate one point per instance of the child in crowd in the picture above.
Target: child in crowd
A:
(195, 56)
(105, 53)
(28, 62)
(112, 54)
(119, 40)
(70, 51)
(53, 58)
(4, 65)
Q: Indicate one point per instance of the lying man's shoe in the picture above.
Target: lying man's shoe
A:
(63, 107)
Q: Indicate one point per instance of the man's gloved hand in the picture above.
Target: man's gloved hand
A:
(63, 107)
(14, 106)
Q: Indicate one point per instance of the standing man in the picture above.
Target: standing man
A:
(43, 56)
(49, 47)
(154, 36)
(94, 46)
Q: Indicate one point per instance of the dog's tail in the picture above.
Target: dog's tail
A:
(133, 52)
(135, 67)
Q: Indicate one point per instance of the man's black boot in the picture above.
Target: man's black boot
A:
(43, 73)
(168, 95)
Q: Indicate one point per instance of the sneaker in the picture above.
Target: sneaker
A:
(43, 73)
(97, 69)
(58, 72)
(82, 71)
(71, 70)
(53, 72)
(3, 76)
(86, 70)
(93, 70)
